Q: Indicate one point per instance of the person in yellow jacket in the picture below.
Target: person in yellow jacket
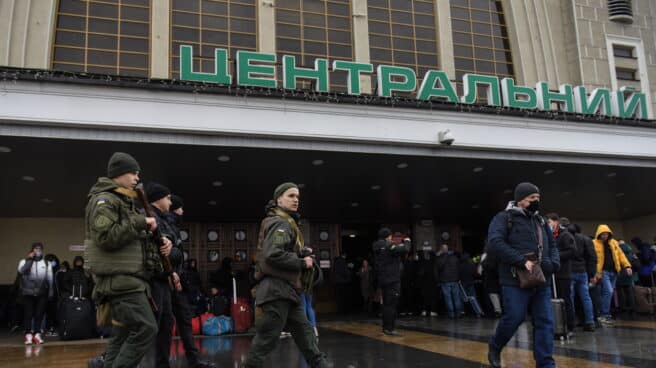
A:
(610, 261)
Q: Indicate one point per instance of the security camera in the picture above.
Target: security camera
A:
(445, 137)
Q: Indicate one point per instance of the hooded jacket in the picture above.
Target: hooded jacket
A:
(619, 259)
(388, 260)
(512, 235)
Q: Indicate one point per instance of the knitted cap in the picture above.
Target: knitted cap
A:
(121, 163)
(156, 191)
(524, 190)
(176, 202)
(282, 188)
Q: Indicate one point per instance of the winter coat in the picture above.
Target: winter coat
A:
(76, 281)
(467, 271)
(623, 278)
(388, 260)
(37, 277)
(512, 235)
(619, 259)
(448, 267)
(584, 259)
(566, 249)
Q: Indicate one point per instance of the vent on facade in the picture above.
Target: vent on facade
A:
(620, 11)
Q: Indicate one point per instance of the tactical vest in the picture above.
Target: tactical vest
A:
(138, 257)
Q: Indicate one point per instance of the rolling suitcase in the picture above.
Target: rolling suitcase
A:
(471, 300)
(76, 318)
(559, 314)
(644, 299)
(241, 311)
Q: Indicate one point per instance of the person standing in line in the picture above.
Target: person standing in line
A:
(520, 239)
(388, 265)
(36, 288)
(584, 266)
(566, 248)
(427, 283)
(625, 283)
(610, 262)
(366, 286)
(448, 267)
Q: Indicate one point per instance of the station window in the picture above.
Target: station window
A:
(103, 36)
(623, 51)
(626, 74)
(311, 29)
(480, 39)
(210, 24)
(403, 33)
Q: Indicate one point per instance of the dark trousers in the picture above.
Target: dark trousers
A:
(133, 332)
(164, 317)
(35, 308)
(391, 295)
(270, 318)
(564, 290)
(595, 295)
(626, 298)
(183, 314)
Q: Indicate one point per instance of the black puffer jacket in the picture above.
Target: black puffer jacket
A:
(566, 248)
(584, 259)
(388, 260)
(448, 267)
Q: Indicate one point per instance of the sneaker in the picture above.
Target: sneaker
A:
(589, 327)
(28, 339)
(606, 320)
(433, 314)
(394, 333)
(38, 339)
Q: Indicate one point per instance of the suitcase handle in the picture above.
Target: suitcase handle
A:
(553, 286)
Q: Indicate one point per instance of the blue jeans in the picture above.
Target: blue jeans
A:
(607, 285)
(452, 298)
(306, 305)
(516, 304)
(579, 285)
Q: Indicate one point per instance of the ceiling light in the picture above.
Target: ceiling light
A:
(478, 169)
(352, 236)
(416, 206)
(28, 178)
(549, 172)
(621, 194)
(301, 186)
(46, 200)
(212, 203)
(317, 162)
(444, 190)
(402, 165)
(217, 183)
(612, 174)
(375, 187)
(355, 204)
(4, 149)
(223, 158)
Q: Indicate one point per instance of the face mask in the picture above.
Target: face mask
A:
(534, 206)
(37, 254)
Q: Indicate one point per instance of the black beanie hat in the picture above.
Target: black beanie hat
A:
(37, 244)
(384, 233)
(176, 202)
(282, 188)
(77, 258)
(121, 163)
(156, 191)
(524, 190)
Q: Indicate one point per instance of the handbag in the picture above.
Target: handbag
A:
(535, 277)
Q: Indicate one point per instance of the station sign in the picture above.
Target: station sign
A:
(256, 69)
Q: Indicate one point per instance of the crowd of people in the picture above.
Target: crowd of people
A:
(138, 282)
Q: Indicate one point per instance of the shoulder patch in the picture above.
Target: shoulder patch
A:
(102, 221)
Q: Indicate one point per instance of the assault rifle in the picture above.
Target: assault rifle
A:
(157, 234)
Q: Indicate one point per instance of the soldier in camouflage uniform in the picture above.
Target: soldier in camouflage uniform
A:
(281, 274)
(122, 257)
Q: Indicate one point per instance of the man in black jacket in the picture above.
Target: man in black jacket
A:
(448, 270)
(566, 248)
(388, 265)
(584, 268)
